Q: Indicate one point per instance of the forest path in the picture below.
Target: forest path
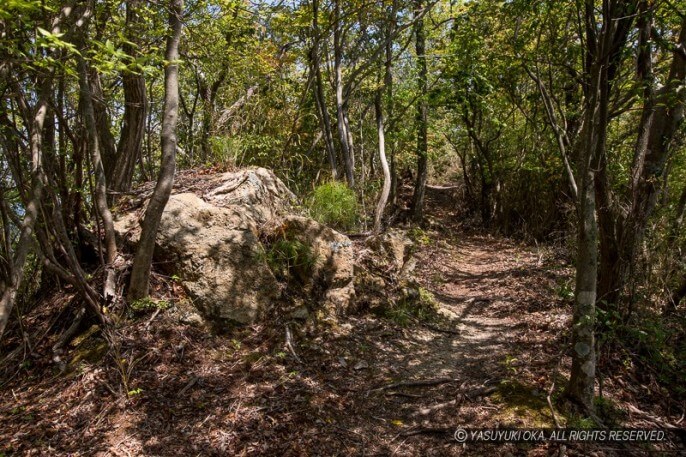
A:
(487, 358)
(474, 283)
(490, 351)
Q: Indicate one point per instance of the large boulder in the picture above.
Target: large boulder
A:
(258, 191)
(217, 255)
(383, 271)
(210, 239)
(393, 245)
(332, 272)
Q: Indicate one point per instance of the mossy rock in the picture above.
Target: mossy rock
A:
(522, 405)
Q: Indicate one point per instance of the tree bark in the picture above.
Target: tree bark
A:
(582, 378)
(130, 144)
(142, 263)
(25, 241)
(345, 136)
(318, 91)
(663, 115)
(388, 89)
(103, 124)
(206, 125)
(581, 386)
(421, 117)
(386, 190)
(602, 55)
(100, 191)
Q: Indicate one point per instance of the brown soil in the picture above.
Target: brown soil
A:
(487, 358)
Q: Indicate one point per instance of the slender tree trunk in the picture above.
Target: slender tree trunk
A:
(487, 187)
(208, 96)
(103, 124)
(582, 378)
(663, 115)
(609, 236)
(344, 133)
(133, 131)
(421, 117)
(25, 241)
(559, 130)
(602, 55)
(206, 121)
(388, 88)
(142, 263)
(385, 191)
(581, 386)
(325, 122)
(130, 144)
(319, 97)
(100, 194)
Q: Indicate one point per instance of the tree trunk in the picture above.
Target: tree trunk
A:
(582, 378)
(383, 199)
(325, 121)
(100, 191)
(421, 117)
(206, 125)
(25, 242)
(663, 114)
(388, 88)
(602, 54)
(319, 97)
(103, 124)
(344, 133)
(142, 263)
(581, 385)
(130, 144)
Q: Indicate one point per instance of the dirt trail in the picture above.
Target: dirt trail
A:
(469, 282)
(493, 340)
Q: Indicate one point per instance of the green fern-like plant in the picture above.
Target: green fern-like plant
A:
(290, 258)
(334, 204)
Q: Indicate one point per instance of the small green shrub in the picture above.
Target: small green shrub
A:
(334, 204)
(148, 304)
(290, 258)
(415, 305)
(565, 290)
(419, 236)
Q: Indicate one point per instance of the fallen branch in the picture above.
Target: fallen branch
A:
(154, 315)
(442, 188)
(403, 394)
(71, 331)
(428, 430)
(289, 344)
(432, 408)
(481, 392)
(230, 186)
(649, 417)
(190, 384)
